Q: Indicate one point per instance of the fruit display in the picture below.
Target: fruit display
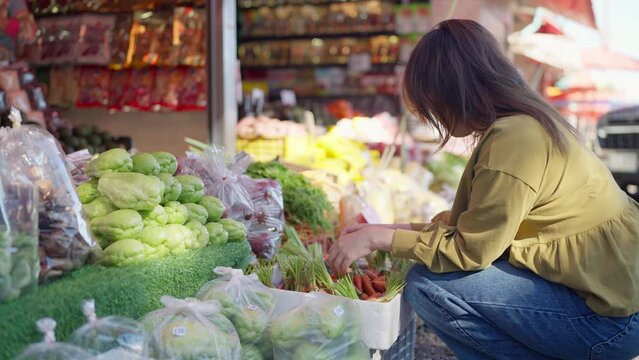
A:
(138, 209)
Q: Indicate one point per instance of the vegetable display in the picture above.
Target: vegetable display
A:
(130, 291)
(150, 213)
(189, 329)
(249, 306)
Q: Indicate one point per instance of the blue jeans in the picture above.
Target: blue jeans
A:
(504, 312)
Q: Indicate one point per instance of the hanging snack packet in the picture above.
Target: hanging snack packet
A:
(191, 329)
(321, 327)
(247, 303)
(50, 349)
(100, 335)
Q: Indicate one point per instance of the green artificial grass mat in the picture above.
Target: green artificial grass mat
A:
(130, 291)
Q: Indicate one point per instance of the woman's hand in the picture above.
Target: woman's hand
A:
(358, 227)
(357, 244)
(441, 218)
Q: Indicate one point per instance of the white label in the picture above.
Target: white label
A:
(359, 63)
(179, 331)
(339, 311)
(252, 307)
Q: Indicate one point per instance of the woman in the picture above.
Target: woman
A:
(539, 257)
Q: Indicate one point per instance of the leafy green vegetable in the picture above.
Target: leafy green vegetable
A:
(145, 163)
(132, 190)
(88, 191)
(304, 204)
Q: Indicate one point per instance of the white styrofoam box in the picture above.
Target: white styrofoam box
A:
(381, 321)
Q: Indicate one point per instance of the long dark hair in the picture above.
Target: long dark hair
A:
(457, 75)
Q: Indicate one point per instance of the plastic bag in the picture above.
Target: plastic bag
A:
(221, 177)
(321, 327)
(247, 303)
(191, 329)
(100, 335)
(19, 263)
(265, 231)
(65, 240)
(50, 349)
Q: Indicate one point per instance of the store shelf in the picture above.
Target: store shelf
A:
(306, 66)
(363, 34)
(94, 12)
(278, 3)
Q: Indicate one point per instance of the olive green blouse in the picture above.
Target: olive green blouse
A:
(561, 216)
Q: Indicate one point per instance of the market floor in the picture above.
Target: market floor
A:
(429, 347)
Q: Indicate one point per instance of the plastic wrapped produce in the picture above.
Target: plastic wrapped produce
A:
(247, 303)
(50, 349)
(266, 229)
(191, 329)
(65, 240)
(19, 263)
(221, 176)
(100, 335)
(321, 327)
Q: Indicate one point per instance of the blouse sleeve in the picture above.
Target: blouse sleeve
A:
(498, 204)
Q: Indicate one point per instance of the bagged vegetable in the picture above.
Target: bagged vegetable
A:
(50, 349)
(191, 329)
(19, 263)
(221, 177)
(247, 303)
(265, 231)
(321, 327)
(100, 335)
(65, 240)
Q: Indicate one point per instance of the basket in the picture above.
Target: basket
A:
(404, 346)
(262, 149)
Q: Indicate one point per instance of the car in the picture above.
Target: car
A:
(618, 146)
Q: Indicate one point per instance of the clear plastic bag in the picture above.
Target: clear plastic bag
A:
(64, 239)
(19, 263)
(221, 176)
(265, 231)
(191, 329)
(247, 303)
(100, 335)
(321, 327)
(49, 349)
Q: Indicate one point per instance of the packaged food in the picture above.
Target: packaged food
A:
(192, 90)
(148, 31)
(189, 33)
(247, 303)
(94, 45)
(221, 176)
(64, 238)
(165, 92)
(119, 83)
(19, 262)
(100, 335)
(120, 40)
(94, 82)
(50, 349)
(191, 329)
(138, 93)
(321, 327)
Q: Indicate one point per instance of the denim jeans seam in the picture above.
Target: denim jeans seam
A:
(459, 328)
(617, 337)
(494, 305)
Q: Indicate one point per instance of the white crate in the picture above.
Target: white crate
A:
(381, 321)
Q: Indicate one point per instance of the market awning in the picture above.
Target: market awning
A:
(577, 10)
(554, 50)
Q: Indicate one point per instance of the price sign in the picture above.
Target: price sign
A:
(288, 97)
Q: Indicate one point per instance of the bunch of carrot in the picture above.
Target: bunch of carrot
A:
(369, 284)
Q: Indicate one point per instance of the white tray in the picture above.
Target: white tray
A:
(381, 322)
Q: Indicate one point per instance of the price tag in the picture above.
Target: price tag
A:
(338, 311)
(179, 331)
(359, 63)
(288, 97)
